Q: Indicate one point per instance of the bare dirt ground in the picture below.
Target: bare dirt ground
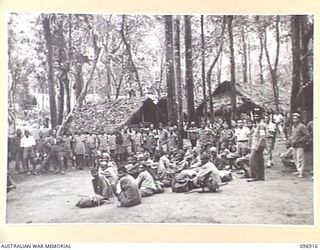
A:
(281, 199)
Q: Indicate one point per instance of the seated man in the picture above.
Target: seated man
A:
(127, 189)
(107, 177)
(133, 166)
(216, 159)
(242, 163)
(208, 175)
(232, 156)
(145, 181)
(179, 162)
(287, 160)
(194, 158)
(164, 170)
(163, 163)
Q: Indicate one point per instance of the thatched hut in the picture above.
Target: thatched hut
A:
(247, 98)
(113, 115)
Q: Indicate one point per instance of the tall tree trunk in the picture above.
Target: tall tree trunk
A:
(295, 30)
(249, 60)
(276, 63)
(161, 77)
(189, 71)
(232, 69)
(244, 56)
(67, 82)
(209, 73)
(128, 47)
(107, 62)
(52, 94)
(260, 35)
(273, 70)
(61, 81)
(61, 100)
(307, 81)
(177, 67)
(169, 69)
(62, 58)
(203, 71)
(219, 67)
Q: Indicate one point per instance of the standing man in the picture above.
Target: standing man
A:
(163, 139)
(79, 149)
(153, 137)
(120, 151)
(173, 138)
(68, 152)
(242, 137)
(226, 137)
(193, 134)
(278, 120)
(299, 138)
(103, 142)
(112, 145)
(258, 145)
(28, 145)
(127, 142)
(249, 125)
(216, 128)
(147, 138)
(40, 147)
(137, 141)
(17, 151)
(55, 155)
(205, 135)
(91, 145)
(287, 126)
(270, 138)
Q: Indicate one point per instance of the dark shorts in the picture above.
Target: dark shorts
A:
(270, 143)
(28, 153)
(59, 155)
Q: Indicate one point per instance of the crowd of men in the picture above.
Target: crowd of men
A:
(138, 162)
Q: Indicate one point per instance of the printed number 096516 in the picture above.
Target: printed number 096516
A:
(308, 246)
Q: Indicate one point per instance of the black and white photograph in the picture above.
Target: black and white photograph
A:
(159, 118)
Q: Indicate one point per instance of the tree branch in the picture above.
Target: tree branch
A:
(276, 62)
(212, 66)
(86, 85)
(128, 47)
(219, 50)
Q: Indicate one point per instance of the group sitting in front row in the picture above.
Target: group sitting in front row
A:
(143, 176)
